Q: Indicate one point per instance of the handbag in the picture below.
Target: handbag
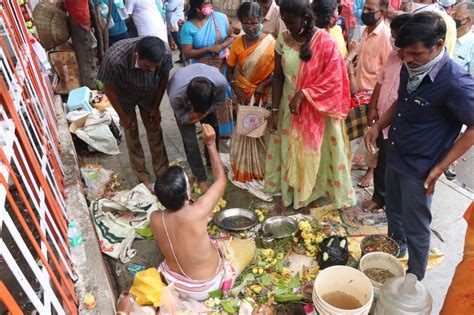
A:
(252, 120)
(356, 120)
(215, 61)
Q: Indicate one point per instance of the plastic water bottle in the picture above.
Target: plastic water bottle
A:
(104, 12)
(74, 236)
(122, 10)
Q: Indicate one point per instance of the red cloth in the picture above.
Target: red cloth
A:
(348, 13)
(396, 4)
(325, 84)
(79, 12)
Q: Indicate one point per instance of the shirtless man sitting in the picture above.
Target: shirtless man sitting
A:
(193, 262)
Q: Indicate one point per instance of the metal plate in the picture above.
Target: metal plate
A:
(279, 227)
(235, 219)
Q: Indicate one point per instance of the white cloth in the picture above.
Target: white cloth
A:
(147, 18)
(174, 13)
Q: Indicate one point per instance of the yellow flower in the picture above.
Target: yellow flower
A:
(210, 303)
(256, 288)
(260, 270)
(280, 256)
(319, 238)
(255, 270)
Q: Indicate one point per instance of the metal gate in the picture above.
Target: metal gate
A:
(33, 226)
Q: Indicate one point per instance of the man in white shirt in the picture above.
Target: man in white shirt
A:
(464, 52)
(147, 18)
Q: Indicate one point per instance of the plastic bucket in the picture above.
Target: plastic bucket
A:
(381, 260)
(346, 280)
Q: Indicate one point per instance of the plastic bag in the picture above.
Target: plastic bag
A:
(147, 287)
(363, 158)
(334, 251)
(97, 180)
(172, 303)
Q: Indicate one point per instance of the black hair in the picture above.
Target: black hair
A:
(151, 48)
(399, 21)
(425, 27)
(194, 6)
(200, 92)
(323, 11)
(301, 8)
(171, 188)
(248, 9)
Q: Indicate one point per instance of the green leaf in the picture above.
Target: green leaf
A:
(216, 294)
(279, 265)
(267, 279)
(228, 306)
(294, 282)
(281, 291)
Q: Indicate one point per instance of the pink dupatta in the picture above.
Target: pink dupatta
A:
(324, 81)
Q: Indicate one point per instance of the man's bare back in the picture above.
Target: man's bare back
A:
(195, 252)
(187, 227)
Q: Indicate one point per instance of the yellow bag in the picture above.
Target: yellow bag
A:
(147, 287)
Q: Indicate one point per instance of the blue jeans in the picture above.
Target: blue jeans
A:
(409, 218)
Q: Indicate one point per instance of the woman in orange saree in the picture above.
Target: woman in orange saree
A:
(253, 53)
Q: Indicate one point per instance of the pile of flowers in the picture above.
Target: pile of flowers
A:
(308, 238)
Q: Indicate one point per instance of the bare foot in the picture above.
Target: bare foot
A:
(370, 205)
(203, 186)
(150, 187)
(280, 208)
(307, 210)
(367, 179)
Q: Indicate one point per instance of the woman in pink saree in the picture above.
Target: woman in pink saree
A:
(307, 157)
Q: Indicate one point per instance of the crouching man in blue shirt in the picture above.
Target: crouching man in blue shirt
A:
(436, 96)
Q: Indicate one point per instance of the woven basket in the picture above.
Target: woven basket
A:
(51, 23)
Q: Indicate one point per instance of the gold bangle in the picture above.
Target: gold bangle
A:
(275, 109)
(120, 313)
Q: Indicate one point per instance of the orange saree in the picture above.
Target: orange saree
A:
(256, 64)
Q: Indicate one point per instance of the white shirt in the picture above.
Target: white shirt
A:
(147, 18)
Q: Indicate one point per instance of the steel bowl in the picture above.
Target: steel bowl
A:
(379, 237)
(235, 219)
(279, 227)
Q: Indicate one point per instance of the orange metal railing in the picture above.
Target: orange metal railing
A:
(32, 194)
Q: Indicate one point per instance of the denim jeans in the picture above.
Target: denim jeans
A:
(409, 218)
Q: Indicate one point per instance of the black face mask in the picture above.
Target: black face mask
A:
(458, 23)
(368, 18)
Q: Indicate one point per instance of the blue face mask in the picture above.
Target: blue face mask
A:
(259, 31)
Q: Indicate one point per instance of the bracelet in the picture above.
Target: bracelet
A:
(275, 109)
(233, 81)
(351, 72)
(120, 313)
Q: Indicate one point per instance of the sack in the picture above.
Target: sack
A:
(116, 220)
(356, 122)
(252, 120)
(334, 251)
(364, 158)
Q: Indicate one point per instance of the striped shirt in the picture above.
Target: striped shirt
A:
(464, 52)
(132, 85)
